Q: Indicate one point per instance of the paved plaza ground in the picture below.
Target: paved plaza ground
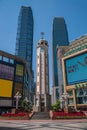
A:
(43, 125)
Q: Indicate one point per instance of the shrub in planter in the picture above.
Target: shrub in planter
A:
(26, 106)
(56, 106)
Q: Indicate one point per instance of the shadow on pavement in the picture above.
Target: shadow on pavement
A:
(9, 128)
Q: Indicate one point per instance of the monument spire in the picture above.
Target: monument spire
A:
(42, 35)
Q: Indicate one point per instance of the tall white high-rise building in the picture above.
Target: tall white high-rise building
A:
(42, 98)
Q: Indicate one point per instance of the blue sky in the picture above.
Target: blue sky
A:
(74, 12)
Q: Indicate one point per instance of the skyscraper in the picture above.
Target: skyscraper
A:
(24, 39)
(59, 38)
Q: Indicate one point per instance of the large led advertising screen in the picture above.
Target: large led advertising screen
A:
(76, 69)
(5, 88)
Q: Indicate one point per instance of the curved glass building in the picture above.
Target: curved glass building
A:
(24, 39)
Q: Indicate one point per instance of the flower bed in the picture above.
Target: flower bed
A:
(17, 116)
(14, 118)
(71, 115)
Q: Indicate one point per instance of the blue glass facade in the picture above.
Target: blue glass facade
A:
(59, 38)
(24, 39)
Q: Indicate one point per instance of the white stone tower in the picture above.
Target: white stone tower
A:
(42, 97)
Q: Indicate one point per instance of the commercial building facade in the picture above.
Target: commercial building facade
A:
(74, 65)
(15, 76)
(57, 91)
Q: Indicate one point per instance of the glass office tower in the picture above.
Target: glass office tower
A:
(59, 38)
(24, 39)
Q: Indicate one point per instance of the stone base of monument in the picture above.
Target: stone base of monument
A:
(42, 103)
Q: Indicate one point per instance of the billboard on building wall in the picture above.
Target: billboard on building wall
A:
(76, 69)
(19, 73)
(5, 88)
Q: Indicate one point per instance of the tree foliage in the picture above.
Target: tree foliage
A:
(26, 105)
(56, 106)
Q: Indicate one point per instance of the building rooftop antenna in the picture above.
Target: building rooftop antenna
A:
(42, 34)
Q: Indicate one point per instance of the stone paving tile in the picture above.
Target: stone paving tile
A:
(46, 125)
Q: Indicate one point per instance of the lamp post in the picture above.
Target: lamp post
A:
(64, 98)
(61, 102)
(26, 99)
(17, 96)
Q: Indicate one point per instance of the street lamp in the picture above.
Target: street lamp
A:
(61, 102)
(64, 98)
(26, 99)
(17, 96)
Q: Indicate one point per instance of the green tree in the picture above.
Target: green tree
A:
(26, 105)
(56, 106)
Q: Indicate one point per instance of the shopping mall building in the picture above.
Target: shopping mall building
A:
(74, 66)
(15, 76)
